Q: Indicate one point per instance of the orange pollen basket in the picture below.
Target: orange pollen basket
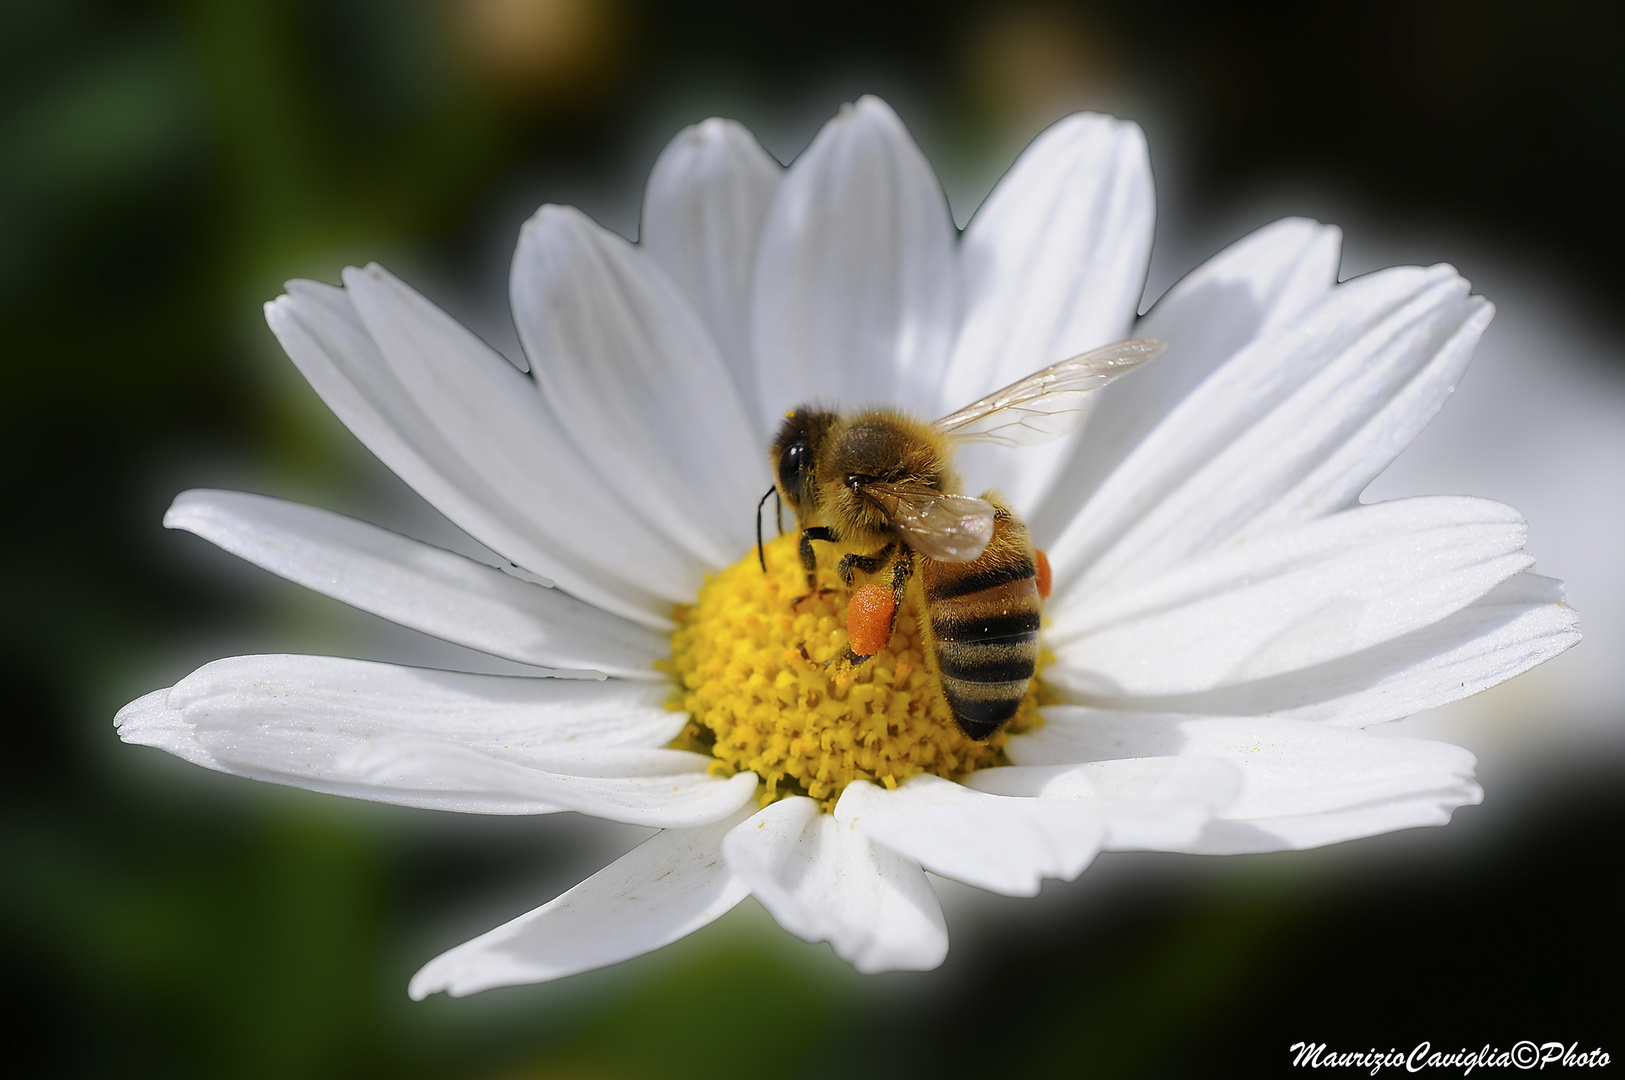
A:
(869, 618)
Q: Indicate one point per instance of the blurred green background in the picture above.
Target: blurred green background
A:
(164, 167)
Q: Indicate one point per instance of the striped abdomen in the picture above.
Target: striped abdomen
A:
(984, 619)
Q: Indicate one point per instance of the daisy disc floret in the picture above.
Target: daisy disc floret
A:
(1225, 617)
(762, 680)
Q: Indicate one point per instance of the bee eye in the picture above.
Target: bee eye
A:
(793, 468)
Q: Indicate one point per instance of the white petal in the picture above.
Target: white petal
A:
(309, 721)
(416, 585)
(824, 881)
(1292, 600)
(1053, 263)
(854, 287)
(1004, 845)
(702, 215)
(1302, 783)
(1051, 266)
(502, 415)
(1254, 286)
(1522, 622)
(1335, 826)
(1268, 419)
(633, 377)
(1394, 409)
(472, 436)
(664, 889)
(1152, 803)
(666, 789)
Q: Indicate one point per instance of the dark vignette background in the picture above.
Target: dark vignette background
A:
(163, 167)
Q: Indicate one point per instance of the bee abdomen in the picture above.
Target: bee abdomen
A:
(985, 626)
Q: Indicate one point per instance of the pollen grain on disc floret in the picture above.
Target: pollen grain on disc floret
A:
(750, 662)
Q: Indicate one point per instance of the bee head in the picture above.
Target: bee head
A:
(794, 450)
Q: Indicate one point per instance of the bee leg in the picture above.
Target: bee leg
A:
(901, 571)
(809, 561)
(868, 564)
(872, 611)
(873, 623)
(869, 618)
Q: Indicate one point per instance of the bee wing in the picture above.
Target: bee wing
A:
(1049, 403)
(949, 528)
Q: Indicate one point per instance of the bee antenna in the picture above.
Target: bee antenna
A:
(760, 556)
(778, 512)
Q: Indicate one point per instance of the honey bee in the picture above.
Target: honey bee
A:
(883, 482)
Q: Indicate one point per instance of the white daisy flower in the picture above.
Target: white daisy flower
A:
(1226, 616)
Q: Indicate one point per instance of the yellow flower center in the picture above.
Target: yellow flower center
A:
(750, 660)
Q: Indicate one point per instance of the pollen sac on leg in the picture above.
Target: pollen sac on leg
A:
(869, 618)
